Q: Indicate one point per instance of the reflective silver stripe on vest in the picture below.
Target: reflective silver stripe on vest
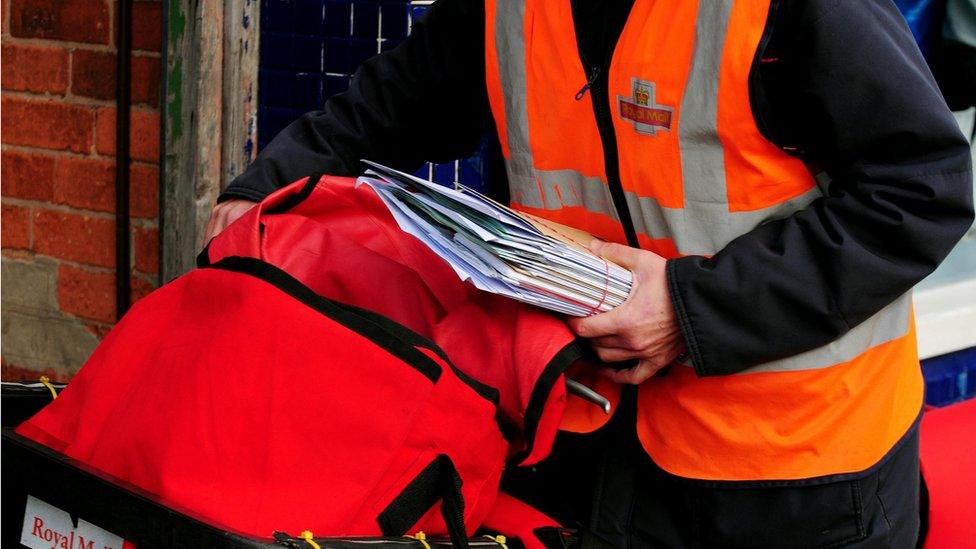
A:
(510, 52)
(564, 188)
(702, 154)
(702, 230)
(535, 189)
(705, 224)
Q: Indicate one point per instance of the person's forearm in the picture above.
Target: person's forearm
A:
(865, 108)
(799, 283)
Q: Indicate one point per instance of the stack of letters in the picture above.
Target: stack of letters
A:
(500, 250)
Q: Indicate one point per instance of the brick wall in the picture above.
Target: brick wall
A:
(58, 177)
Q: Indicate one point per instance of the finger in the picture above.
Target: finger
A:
(208, 232)
(625, 256)
(237, 212)
(634, 376)
(211, 224)
(627, 342)
(602, 324)
(221, 222)
(614, 354)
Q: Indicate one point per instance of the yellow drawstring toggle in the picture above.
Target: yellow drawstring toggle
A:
(422, 538)
(499, 539)
(308, 537)
(46, 381)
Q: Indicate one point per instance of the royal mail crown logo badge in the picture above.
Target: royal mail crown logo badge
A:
(641, 110)
(642, 95)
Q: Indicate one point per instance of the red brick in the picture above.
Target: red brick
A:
(90, 184)
(145, 80)
(86, 294)
(144, 191)
(75, 237)
(85, 183)
(146, 248)
(47, 124)
(143, 134)
(27, 175)
(93, 74)
(146, 26)
(15, 229)
(35, 69)
(73, 20)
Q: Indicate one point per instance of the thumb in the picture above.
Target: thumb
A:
(625, 256)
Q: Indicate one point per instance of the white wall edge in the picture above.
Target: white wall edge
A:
(945, 318)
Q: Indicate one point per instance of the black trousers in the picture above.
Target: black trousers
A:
(605, 485)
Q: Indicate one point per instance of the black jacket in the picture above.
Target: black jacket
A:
(844, 87)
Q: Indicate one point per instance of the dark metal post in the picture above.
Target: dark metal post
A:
(123, 86)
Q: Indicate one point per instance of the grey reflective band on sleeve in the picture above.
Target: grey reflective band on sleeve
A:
(705, 224)
(886, 325)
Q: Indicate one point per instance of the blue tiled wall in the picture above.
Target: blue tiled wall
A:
(924, 17)
(950, 378)
(309, 50)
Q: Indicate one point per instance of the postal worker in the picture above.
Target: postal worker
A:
(777, 174)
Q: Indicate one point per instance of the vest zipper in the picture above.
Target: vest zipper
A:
(598, 86)
(594, 73)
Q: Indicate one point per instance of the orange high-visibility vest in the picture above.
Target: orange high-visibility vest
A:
(696, 172)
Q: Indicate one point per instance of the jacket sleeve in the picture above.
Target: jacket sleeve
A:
(424, 100)
(869, 112)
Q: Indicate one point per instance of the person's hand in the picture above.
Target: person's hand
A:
(643, 327)
(224, 214)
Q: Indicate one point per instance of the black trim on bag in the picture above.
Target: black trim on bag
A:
(485, 391)
(295, 199)
(374, 326)
(438, 481)
(508, 429)
(392, 337)
(485, 541)
(203, 258)
(540, 394)
(400, 331)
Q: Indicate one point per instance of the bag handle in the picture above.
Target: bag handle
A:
(438, 481)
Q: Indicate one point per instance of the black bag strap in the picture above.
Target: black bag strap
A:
(438, 481)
